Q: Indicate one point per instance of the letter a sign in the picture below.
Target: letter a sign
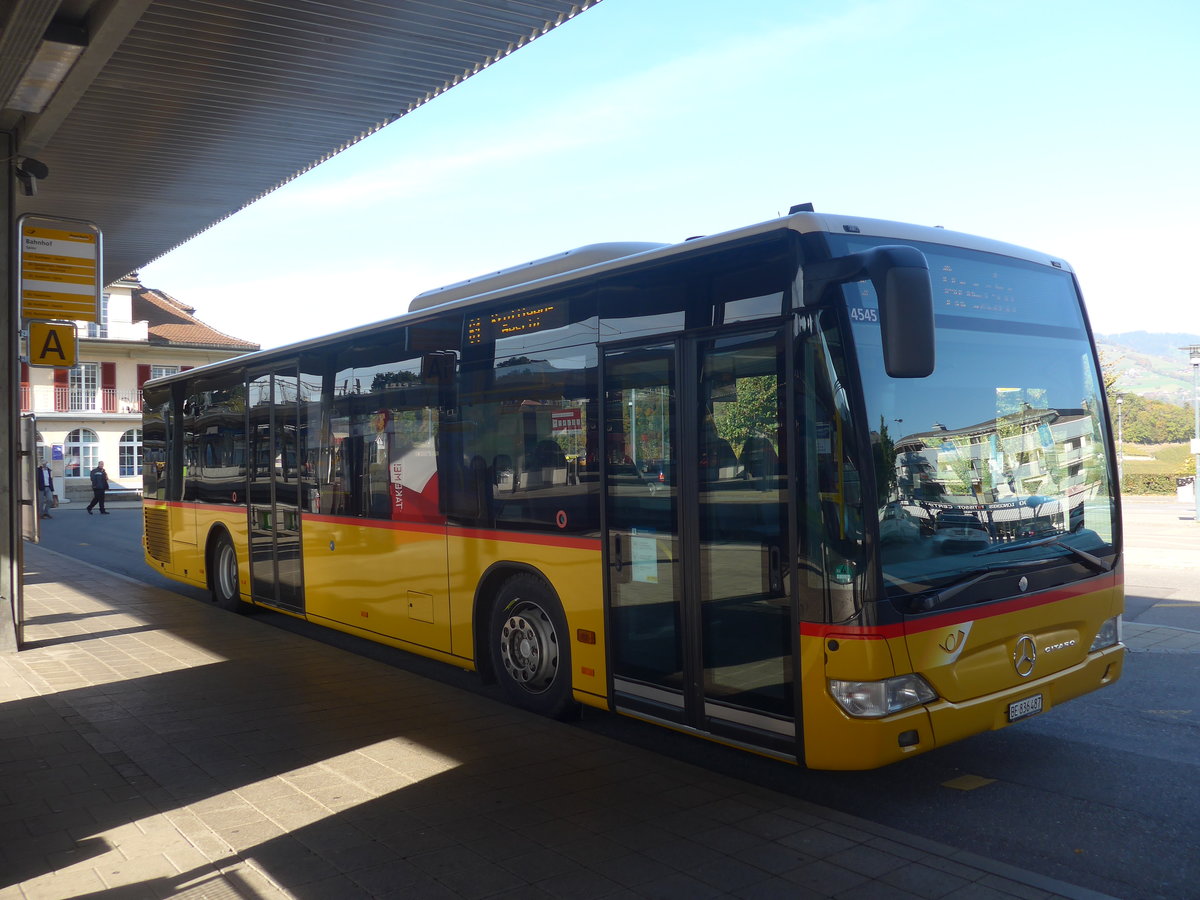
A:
(53, 344)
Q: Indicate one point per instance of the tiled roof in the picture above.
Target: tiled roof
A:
(171, 321)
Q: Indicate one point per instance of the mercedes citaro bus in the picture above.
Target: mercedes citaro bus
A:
(834, 490)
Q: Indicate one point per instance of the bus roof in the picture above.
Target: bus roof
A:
(596, 259)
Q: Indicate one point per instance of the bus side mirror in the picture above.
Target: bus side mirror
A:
(900, 276)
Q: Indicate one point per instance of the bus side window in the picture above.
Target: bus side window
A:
(527, 444)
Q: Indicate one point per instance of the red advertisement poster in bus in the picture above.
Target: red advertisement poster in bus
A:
(566, 421)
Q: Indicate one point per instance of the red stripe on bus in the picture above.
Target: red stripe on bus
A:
(960, 615)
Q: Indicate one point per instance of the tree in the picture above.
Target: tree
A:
(1148, 421)
(1109, 374)
(755, 411)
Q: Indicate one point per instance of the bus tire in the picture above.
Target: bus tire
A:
(223, 576)
(530, 649)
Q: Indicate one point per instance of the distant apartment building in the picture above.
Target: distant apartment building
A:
(93, 411)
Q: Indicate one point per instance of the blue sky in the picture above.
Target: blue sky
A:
(1072, 127)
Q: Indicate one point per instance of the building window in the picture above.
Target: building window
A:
(161, 371)
(131, 452)
(99, 329)
(84, 387)
(82, 452)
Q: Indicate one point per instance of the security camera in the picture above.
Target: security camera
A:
(29, 173)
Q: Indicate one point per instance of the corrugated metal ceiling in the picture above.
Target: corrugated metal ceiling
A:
(181, 112)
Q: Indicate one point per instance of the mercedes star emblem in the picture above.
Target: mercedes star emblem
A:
(1025, 656)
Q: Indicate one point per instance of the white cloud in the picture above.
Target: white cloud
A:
(684, 93)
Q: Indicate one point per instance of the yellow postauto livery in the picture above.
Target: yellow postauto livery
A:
(831, 489)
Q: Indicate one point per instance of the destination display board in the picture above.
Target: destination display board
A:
(522, 320)
(59, 269)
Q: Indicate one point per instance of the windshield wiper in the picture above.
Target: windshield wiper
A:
(1096, 563)
(966, 580)
(924, 601)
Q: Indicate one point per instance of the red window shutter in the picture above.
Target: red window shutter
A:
(185, 368)
(143, 375)
(62, 390)
(108, 386)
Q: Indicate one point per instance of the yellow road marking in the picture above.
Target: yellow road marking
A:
(967, 782)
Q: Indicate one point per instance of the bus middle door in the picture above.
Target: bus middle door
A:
(274, 491)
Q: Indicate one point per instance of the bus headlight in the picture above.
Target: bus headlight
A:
(1109, 634)
(872, 699)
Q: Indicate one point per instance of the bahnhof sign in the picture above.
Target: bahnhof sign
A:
(59, 269)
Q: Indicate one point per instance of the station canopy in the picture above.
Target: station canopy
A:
(166, 116)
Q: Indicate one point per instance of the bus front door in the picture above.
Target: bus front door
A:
(274, 491)
(696, 537)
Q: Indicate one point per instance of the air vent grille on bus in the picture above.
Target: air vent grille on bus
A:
(158, 534)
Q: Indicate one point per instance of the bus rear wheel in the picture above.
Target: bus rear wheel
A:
(529, 648)
(223, 576)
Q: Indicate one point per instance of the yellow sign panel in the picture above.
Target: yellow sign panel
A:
(59, 269)
(53, 344)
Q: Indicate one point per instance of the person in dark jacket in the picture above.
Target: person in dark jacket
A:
(45, 491)
(99, 486)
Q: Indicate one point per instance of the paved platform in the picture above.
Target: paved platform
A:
(152, 746)
(1160, 533)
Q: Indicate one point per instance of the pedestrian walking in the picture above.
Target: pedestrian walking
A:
(99, 486)
(45, 491)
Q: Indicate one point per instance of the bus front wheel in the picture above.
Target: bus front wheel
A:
(529, 647)
(223, 576)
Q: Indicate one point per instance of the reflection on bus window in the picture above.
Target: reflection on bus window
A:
(383, 428)
(530, 440)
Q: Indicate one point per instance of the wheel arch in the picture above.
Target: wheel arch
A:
(485, 595)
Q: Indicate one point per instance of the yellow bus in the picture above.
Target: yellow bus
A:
(834, 490)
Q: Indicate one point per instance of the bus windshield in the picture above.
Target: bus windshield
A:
(997, 462)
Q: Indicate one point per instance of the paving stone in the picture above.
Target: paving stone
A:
(775, 888)
(577, 884)
(677, 886)
(464, 871)
(924, 881)
(538, 864)
(631, 869)
(825, 877)
(866, 860)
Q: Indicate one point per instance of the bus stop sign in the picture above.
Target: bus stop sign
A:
(53, 344)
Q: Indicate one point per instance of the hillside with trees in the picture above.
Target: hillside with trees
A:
(1149, 364)
(1146, 421)
(1152, 375)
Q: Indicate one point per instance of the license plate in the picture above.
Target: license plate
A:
(1021, 709)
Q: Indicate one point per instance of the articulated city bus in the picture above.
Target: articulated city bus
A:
(834, 490)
